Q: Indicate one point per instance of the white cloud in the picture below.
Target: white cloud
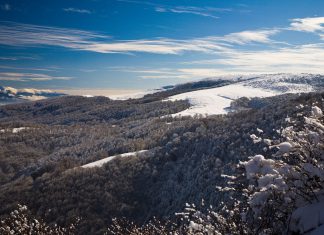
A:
(311, 24)
(172, 46)
(77, 10)
(303, 59)
(168, 73)
(201, 11)
(200, 72)
(14, 58)
(291, 59)
(46, 69)
(16, 34)
(159, 73)
(24, 35)
(161, 9)
(244, 37)
(24, 77)
(188, 73)
(231, 55)
(157, 46)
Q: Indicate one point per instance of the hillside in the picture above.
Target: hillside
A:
(218, 100)
(46, 145)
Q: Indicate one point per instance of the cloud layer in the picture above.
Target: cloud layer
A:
(237, 52)
(25, 35)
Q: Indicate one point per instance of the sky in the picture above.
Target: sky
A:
(138, 45)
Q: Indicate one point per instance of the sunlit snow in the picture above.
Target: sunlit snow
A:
(217, 100)
(100, 163)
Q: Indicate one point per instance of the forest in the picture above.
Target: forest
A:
(43, 145)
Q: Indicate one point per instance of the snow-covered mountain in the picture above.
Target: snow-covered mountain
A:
(13, 95)
(217, 100)
(207, 96)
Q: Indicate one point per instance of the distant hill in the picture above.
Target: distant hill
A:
(205, 98)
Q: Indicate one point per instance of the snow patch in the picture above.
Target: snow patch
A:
(216, 100)
(101, 162)
(88, 96)
(19, 129)
(14, 130)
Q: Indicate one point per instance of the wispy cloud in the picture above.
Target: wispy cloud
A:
(46, 69)
(147, 73)
(24, 77)
(138, 2)
(25, 35)
(5, 7)
(303, 58)
(15, 58)
(170, 73)
(16, 34)
(201, 11)
(77, 10)
(88, 70)
(158, 46)
(231, 53)
(176, 73)
(19, 57)
(258, 36)
(187, 73)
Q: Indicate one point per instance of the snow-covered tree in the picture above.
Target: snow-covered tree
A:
(286, 189)
(20, 221)
(284, 192)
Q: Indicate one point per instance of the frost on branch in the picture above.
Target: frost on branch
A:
(20, 221)
(255, 139)
(287, 189)
(211, 221)
(316, 112)
(125, 227)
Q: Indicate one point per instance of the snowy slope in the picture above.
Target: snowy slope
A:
(100, 163)
(217, 100)
(286, 83)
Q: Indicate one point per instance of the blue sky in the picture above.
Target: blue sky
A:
(134, 44)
